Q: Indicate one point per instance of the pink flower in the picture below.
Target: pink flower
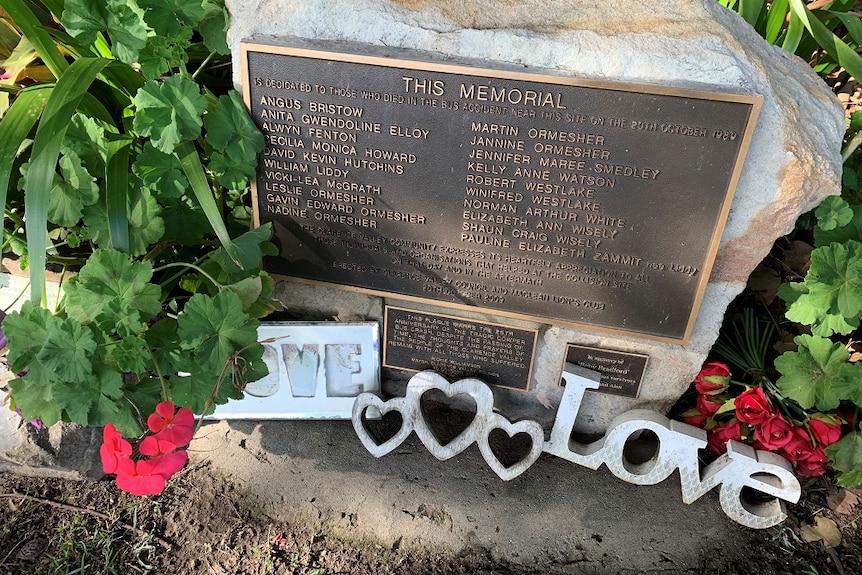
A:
(826, 429)
(140, 477)
(714, 377)
(114, 449)
(719, 435)
(753, 407)
(176, 427)
(164, 454)
(774, 432)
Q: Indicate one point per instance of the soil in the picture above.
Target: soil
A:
(205, 524)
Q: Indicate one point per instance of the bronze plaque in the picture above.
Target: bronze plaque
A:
(529, 195)
(622, 371)
(456, 347)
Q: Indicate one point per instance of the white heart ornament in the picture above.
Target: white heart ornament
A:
(531, 428)
(401, 405)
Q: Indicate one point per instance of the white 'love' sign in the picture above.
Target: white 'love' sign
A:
(678, 445)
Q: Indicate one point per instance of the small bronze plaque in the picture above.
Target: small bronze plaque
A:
(622, 371)
(538, 196)
(456, 347)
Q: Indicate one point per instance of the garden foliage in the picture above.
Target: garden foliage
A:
(125, 158)
(817, 373)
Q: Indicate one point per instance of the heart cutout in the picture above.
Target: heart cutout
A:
(447, 417)
(370, 440)
(509, 470)
(424, 381)
(509, 450)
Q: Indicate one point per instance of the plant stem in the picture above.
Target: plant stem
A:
(158, 373)
(191, 266)
(203, 65)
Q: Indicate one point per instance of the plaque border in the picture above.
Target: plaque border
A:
(307, 48)
(385, 341)
(606, 350)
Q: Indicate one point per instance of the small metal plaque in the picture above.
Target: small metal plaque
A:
(498, 354)
(316, 371)
(529, 195)
(622, 372)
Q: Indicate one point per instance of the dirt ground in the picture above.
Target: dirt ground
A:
(203, 524)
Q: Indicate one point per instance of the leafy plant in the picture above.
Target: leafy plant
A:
(123, 158)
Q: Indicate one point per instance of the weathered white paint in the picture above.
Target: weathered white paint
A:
(678, 447)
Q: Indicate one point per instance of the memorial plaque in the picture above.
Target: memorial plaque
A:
(622, 372)
(456, 347)
(530, 195)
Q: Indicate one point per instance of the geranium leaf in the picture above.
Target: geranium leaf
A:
(68, 351)
(215, 328)
(818, 374)
(162, 53)
(122, 19)
(86, 138)
(169, 112)
(229, 129)
(213, 26)
(851, 231)
(93, 401)
(26, 331)
(230, 175)
(145, 223)
(129, 355)
(251, 247)
(183, 223)
(72, 191)
(161, 172)
(108, 285)
(192, 390)
(832, 213)
(33, 397)
(167, 16)
(846, 454)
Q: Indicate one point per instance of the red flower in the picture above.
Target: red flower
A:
(799, 446)
(774, 432)
(753, 407)
(697, 418)
(825, 429)
(719, 435)
(164, 454)
(175, 427)
(140, 478)
(814, 465)
(114, 449)
(707, 406)
(714, 377)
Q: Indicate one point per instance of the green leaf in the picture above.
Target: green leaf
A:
(108, 285)
(146, 226)
(166, 17)
(834, 46)
(169, 112)
(250, 248)
(123, 20)
(161, 172)
(68, 351)
(36, 32)
(832, 301)
(231, 130)
(117, 193)
(93, 401)
(192, 390)
(230, 175)
(184, 224)
(850, 231)
(214, 25)
(215, 328)
(129, 355)
(34, 399)
(68, 92)
(165, 52)
(86, 138)
(73, 189)
(846, 456)
(26, 330)
(818, 374)
(832, 213)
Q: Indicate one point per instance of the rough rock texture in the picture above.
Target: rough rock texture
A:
(793, 161)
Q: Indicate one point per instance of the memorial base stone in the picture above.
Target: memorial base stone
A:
(792, 163)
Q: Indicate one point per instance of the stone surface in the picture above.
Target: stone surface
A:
(793, 161)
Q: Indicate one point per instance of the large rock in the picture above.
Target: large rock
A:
(792, 164)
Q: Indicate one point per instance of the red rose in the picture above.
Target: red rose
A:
(799, 447)
(825, 429)
(707, 406)
(774, 432)
(752, 406)
(718, 436)
(714, 377)
(696, 418)
(814, 465)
